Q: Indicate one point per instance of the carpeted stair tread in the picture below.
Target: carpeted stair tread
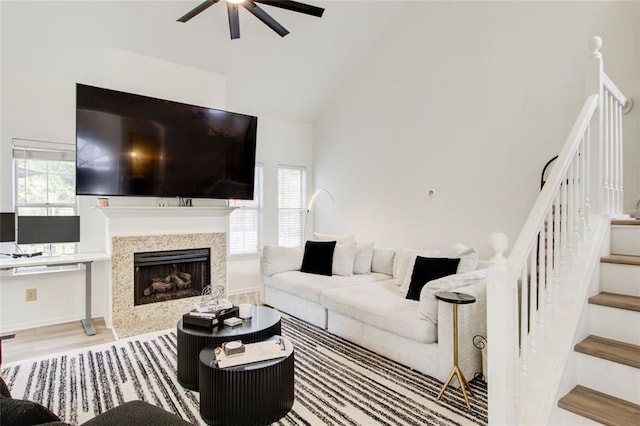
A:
(621, 259)
(600, 407)
(609, 349)
(626, 222)
(614, 300)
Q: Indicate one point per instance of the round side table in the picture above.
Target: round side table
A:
(456, 299)
(264, 323)
(259, 393)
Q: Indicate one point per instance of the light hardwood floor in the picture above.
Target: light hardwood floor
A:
(52, 339)
(59, 338)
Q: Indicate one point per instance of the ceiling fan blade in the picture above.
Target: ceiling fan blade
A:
(234, 21)
(295, 6)
(196, 10)
(259, 13)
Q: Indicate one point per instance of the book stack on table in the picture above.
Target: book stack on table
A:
(208, 319)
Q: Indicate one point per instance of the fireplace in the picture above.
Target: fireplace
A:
(129, 319)
(160, 276)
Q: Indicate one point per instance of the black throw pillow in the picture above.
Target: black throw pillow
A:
(427, 269)
(318, 257)
(23, 413)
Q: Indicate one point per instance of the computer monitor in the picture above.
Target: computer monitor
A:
(7, 227)
(48, 229)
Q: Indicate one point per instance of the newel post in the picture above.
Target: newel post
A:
(501, 329)
(595, 69)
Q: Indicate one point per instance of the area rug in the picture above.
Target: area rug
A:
(336, 383)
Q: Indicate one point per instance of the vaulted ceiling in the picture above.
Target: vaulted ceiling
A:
(290, 78)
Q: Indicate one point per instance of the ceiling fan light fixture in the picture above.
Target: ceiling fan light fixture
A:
(257, 11)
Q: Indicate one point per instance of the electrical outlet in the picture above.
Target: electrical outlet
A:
(32, 294)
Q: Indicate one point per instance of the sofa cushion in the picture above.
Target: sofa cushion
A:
(404, 257)
(339, 239)
(363, 259)
(318, 257)
(382, 261)
(310, 286)
(343, 258)
(276, 259)
(23, 412)
(137, 413)
(428, 269)
(4, 389)
(428, 307)
(469, 257)
(379, 304)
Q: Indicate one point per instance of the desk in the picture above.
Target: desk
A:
(85, 259)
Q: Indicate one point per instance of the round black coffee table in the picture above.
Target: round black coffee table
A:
(259, 393)
(264, 323)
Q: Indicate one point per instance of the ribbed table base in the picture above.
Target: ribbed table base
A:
(191, 341)
(246, 395)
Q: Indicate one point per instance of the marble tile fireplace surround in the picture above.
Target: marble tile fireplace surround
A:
(175, 229)
(128, 319)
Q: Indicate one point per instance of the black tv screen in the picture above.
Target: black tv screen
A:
(133, 145)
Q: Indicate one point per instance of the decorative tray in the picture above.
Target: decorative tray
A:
(253, 352)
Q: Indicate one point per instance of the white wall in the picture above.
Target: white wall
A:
(40, 66)
(280, 142)
(471, 100)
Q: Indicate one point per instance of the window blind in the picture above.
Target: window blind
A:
(291, 205)
(44, 182)
(245, 222)
(44, 178)
(43, 150)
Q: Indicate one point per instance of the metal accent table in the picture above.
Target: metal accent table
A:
(264, 323)
(259, 393)
(456, 299)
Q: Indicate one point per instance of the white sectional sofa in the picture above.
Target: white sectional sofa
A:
(369, 308)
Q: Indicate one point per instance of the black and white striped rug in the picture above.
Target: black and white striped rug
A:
(336, 383)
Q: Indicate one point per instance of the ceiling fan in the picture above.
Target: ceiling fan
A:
(257, 11)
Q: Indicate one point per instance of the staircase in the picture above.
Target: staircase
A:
(555, 287)
(607, 361)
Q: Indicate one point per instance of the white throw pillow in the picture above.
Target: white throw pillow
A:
(276, 259)
(383, 260)
(406, 256)
(364, 256)
(343, 258)
(469, 257)
(339, 239)
(428, 306)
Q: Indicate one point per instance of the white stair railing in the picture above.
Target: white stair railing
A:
(535, 296)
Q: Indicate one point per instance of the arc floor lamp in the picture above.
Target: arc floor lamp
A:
(310, 206)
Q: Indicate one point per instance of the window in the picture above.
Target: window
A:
(44, 183)
(292, 195)
(245, 222)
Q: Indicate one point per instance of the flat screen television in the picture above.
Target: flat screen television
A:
(133, 145)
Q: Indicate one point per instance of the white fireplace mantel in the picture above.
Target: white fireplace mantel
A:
(158, 212)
